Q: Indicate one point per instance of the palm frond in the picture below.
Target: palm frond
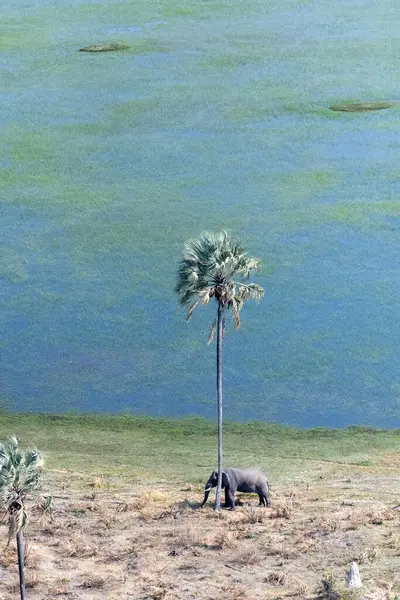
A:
(191, 310)
(250, 291)
(212, 331)
(20, 473)
(206, 295)
(210, 266)
(235, 308)
(16, 521)
(9, 451)
(12, 529)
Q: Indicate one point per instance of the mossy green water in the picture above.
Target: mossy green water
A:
(217, 116)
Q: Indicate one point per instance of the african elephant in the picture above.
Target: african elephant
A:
(250, 481)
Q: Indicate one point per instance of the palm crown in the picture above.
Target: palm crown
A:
(20, 473)
(209, 268)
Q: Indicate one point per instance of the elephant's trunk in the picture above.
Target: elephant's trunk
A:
(206, 494)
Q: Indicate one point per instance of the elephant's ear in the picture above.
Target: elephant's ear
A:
(226, 482)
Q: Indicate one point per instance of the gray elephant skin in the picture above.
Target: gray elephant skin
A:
(248, 481)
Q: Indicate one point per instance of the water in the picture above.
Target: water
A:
(216, 118)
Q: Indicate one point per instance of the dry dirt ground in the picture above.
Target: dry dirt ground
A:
(104, 540)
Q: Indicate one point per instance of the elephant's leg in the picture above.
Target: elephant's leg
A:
(227, 498)
(267, 499)
(261, 498)
(231, 498)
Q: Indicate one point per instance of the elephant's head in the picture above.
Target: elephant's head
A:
(213, 482)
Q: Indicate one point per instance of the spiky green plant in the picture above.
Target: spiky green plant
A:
(215, 265)
(20, 474)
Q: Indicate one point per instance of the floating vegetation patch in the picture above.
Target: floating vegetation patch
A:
(362, 106)
(107, 47)
(137, 46)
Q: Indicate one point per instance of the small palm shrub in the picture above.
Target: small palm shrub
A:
(20, 474)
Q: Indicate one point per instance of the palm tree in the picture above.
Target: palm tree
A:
(209, 268)
(20, 474)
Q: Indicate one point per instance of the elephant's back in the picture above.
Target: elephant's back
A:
(250, 472)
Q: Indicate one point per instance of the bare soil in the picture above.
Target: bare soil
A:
(103, 540)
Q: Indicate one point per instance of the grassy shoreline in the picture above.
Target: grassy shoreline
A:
(190, 423)
(185, 448)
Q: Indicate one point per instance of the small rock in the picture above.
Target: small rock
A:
(353, 579)
(111, 47)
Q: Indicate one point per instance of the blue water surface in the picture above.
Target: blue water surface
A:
(217, 117)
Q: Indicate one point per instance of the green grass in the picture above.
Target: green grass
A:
(184, 450)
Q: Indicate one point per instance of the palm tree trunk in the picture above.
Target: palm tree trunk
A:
(219, 401)
(20, 551)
